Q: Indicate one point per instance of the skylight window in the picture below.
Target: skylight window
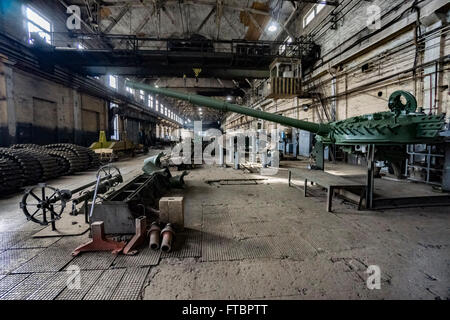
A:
(312, 14)
(36, 23)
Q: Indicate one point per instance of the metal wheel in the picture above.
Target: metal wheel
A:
(108, 172)
(43, 204)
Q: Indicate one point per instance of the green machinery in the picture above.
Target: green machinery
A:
(403, 124)
(380, 136)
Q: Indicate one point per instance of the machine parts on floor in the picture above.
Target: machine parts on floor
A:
(154, 236)
(44, 204)
(29, 164)
(99, 241)
(139, 197)
(139, 238)
(402, 125)
(167, 235)
(109, 151)
(171, 210)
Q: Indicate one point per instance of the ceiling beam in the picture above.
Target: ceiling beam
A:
(256, 24)
(202, 24)
(232, 26)
(119, 17)
(138, 3)
(327, 3)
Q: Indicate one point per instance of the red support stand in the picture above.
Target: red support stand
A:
(99, 242)
(139, 238)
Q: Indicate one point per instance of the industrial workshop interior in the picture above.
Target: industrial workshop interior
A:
(224, 150)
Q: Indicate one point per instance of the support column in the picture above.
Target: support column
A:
(77, 125)
(230, 149)
(4, 134)
(253, 148)
(7, 107)
(370, 175)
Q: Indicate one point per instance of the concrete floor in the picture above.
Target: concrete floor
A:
(255, 240)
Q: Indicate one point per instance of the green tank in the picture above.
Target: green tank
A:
(403, 124)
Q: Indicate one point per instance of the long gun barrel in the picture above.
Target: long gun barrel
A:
(320, 129)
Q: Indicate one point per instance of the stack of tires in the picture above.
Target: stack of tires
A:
(28, 164)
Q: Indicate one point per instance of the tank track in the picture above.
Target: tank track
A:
(31, 169)
(79, 152)
(11, 176)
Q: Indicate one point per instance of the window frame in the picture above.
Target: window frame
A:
(28, 21)
(116, 81)
(314, 12)
(150, 101)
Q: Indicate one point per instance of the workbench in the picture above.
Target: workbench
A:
(329, 181)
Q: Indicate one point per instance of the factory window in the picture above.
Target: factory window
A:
(80, 46)
(115, 133)
(312, 14)
(156, 105)
(113, 81)
(129, 90)
(150, 101)
(36, 23)
(142, 95)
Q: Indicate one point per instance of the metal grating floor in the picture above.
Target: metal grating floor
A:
(27, 287)
(93, 260)
(88, 278)
(187, 244)
(293, 247)
(53, 286)
(104, 287)
(50, 259)
(36, 243)
(145, 258)
(131, 284)
(8, 282)
(12, 259)
(10, 238)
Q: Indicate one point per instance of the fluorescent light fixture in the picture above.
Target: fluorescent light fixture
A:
(273, 27)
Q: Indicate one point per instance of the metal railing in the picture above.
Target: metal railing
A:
(113, 42)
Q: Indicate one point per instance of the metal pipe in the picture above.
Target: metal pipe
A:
(167, 236)
(154, 233)
(318, 128)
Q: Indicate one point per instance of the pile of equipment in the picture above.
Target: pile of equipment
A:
(109, 151)
(28, 164)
